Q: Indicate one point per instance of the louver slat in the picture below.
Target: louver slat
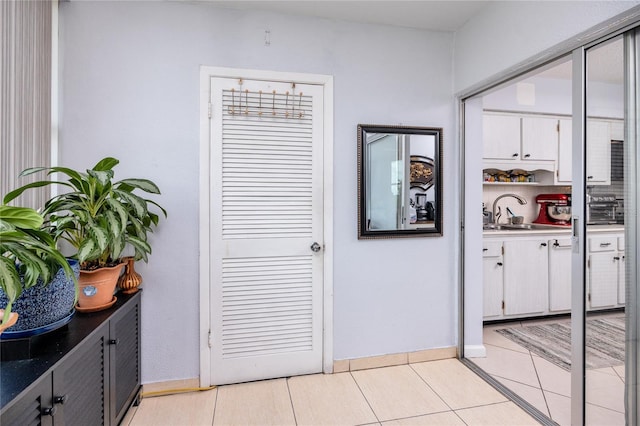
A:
(266, 172)
(266, 306)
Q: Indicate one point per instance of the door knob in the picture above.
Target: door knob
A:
(315, 247)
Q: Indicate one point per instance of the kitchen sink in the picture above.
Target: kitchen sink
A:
(519, 227)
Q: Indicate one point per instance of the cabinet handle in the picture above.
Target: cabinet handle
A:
(589, 177)
(605, 244)
(556, 243)
(60, 399)
(485, 249)
(114, 341)
(499, 263)
(543, 244)
(515, 155)
(527, 155)
(616, 257)
(49, 411)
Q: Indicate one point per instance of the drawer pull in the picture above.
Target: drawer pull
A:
(515, 155)
(616, 257)
(499, 263)
(527, 155)
(605, 244)
(485, 249)
(543, 244)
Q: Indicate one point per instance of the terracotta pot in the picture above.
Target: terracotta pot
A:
(97, 287)
(130, 280)
(13, 318)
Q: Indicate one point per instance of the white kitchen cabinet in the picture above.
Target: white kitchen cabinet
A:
(501, 137)
(492, 278)
(526, 276)
(602, 275)
(598, 153)
(563, 166)
(559, 274)
(621, 271)
(539, 138)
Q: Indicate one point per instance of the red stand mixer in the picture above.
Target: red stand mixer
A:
(555, 209)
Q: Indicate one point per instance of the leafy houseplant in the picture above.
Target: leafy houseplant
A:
(98, 217)
(28, 255)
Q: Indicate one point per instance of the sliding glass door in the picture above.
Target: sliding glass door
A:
(604, 197)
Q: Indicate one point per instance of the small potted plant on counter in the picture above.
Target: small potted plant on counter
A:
(37, 283)
(98, 217)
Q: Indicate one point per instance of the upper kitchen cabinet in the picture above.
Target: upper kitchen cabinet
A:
(598, 152)
(501, 137)
(515, 141)
(539, 138)
(563, 172)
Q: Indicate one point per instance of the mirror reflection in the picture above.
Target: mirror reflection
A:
(400, 186)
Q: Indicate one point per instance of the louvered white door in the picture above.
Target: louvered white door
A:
(266, 213)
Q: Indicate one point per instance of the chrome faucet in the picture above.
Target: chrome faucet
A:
(496, 215)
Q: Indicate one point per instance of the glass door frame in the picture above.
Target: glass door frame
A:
(577, 48)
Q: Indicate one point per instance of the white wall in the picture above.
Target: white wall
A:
(130, 89)
(509, 32)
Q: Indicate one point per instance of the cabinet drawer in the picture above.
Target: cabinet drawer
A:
(621, 243)
(491, 248)
(603, 244)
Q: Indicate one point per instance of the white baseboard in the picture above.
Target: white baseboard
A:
(475, 351)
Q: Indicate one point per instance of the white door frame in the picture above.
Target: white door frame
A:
(206, 73)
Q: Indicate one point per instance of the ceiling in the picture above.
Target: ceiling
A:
(421, 14)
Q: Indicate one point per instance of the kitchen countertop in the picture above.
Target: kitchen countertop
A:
(558, 230)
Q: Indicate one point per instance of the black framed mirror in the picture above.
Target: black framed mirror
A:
(399, 181)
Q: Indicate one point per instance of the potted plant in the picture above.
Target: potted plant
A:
(98, 217)
(34, 275)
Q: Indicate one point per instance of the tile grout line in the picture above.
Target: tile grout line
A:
(215, 405)
(365, 397)
(544, 397)
(429, 386)
(293, 408)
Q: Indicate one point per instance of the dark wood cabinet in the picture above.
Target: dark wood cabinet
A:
(85, 374)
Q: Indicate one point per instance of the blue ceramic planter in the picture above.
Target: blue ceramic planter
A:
(40, 307)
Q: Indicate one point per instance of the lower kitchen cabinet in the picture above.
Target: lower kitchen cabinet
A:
(526, 276)
(85, 374)
(603, 275)
(492, 278)
(559, 275)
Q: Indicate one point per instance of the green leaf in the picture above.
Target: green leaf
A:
(21, 217)
(88, 250)
(9, 279)
(115, 226)
(100, 236)
(17, 192)
(103, 176)
(117, 245)
(138, 205)
(142, 248)
(142, 184)
(107, 163)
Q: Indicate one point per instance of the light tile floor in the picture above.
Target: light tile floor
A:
(441, 392)
(547, 386)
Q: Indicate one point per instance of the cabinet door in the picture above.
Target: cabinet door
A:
(492, 279)
(603, 280)
(563, 174)
(526, 276)
(33, 408)
(81, 383)
(621, 279)
(598, 153)
(501, 137)
(560, 275)
(124, 335)
(539, 138)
